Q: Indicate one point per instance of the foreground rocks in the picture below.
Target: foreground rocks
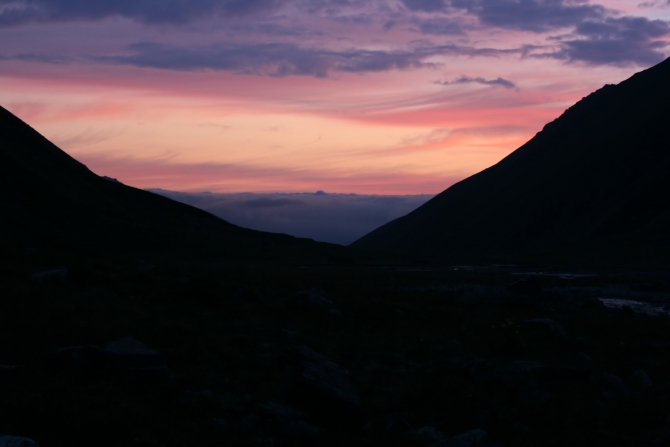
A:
(127, 356)
(317, 383)
(16, 441)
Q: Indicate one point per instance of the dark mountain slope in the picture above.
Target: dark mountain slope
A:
(592, 186)
(50, 201)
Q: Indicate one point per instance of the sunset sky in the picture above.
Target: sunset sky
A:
(347, 96)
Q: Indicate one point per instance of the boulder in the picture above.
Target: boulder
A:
(527, 285)
(544, 327)
(314, 299)
(52, 276)
(472, 438)
(16, 441)
(137, 359)
(427, 435)
(519, 370)
(289, 420)
(204, 401)
(641, 380)
(84, 360)
(320, 385)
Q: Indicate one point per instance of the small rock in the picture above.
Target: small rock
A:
(586, 360)
(290, 420)
(396, 425)
(16, 441)
(525, 286)
(136, 358)
(249, 423)
(53, 276)
(565, 372)
(314, 299)
(203, 401)
(82, 360)
(289, 336)
(517, 370)
(182, 281)
(427, 435)
(320, 385)
(545, 327)
(472, 438)
(641, 380)
(220, 424)
(471, 365)
(614, 387)
(97, 292)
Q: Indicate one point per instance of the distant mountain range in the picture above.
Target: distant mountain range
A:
(591, 189)
(52, 203)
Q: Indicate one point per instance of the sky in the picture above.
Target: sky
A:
(376, 97)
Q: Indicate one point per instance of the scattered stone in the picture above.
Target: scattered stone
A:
(396, 425)
(182, 281)
(565, 372)
(138, 359)
(525, 286)
(614, 387)
(472, 438)
(374, 368)
(290, 420)
(314, 299)
(471, 365)
(427, 435)
(205, 401)
(515, 371)
(97, 292)
(544, 327)
(289, 336)
(586, 360)
(53, 276)
(407, 368)
(536, 398)
(641, 380)
(249, 423)
(16, 441)
(85, 360)
(220, 424)
(320, 385)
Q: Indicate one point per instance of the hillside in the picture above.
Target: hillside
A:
(591, 188)
(53, 204)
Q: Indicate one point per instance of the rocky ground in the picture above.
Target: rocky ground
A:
(145, 354)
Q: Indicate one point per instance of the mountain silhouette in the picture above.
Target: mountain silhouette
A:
(592, 188)
(51, 202)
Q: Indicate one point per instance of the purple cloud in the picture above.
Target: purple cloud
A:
(18, 12)
(617, 41)
(468, 80)
(272, 59)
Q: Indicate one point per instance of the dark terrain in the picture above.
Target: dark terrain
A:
(592, 188)
(128, 319)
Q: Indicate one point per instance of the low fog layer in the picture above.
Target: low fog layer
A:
(337, 218)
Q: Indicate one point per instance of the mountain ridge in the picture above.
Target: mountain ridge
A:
(565, 194)
(54, 202)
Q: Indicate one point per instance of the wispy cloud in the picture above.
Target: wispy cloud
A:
(19, 12)
(478, 80)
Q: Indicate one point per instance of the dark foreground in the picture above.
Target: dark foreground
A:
(331, 356)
